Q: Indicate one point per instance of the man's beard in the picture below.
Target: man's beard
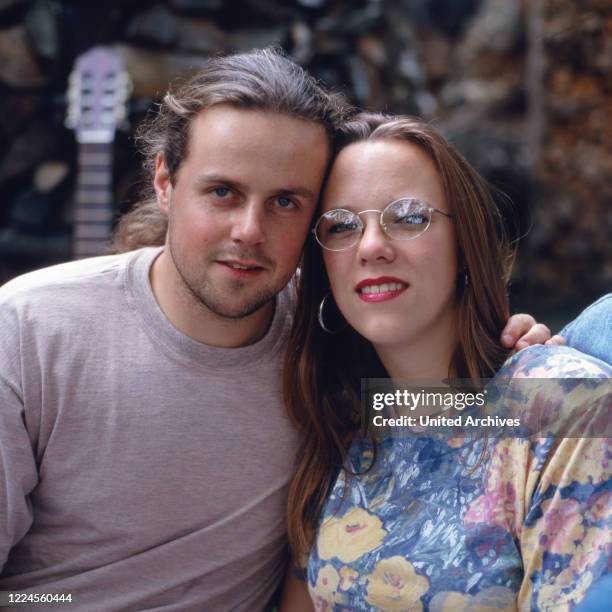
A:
(205, 295)
(222, 308)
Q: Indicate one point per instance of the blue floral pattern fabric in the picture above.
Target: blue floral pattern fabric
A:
(437, 524)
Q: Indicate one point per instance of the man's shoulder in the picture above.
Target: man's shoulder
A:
(61, 283)
(591, 332)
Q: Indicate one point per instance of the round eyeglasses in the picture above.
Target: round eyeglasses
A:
(403, 219)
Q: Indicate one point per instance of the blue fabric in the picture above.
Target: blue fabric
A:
(591, 332)
(599, 596)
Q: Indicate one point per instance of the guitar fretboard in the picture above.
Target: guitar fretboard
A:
(94, 200)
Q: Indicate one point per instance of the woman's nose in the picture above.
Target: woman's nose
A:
(374, 244)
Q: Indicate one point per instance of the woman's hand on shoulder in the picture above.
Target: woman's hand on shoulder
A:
(522, 330)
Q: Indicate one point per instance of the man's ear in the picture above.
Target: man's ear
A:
(162, 184)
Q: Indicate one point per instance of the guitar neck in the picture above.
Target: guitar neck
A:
(94, 200)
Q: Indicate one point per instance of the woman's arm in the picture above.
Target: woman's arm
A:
(295, 597)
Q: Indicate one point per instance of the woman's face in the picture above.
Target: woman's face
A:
(418, 302)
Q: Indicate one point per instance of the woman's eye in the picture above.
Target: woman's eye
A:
(341, 228)
(413, 219)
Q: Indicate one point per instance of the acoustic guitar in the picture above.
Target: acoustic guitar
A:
(99, 88)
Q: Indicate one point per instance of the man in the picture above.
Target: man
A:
(144, 450)
(591, 331)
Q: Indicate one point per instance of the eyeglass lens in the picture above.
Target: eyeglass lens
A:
(404, 219)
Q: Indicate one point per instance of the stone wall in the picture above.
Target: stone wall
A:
(523, 88)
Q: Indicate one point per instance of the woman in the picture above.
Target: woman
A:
(415, 258)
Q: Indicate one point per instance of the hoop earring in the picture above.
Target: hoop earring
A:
(466, 279)
(320, 317)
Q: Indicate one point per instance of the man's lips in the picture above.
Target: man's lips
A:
(241, 268)
(240, 263)
(380, 289)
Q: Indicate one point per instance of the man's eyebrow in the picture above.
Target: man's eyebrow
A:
(213, 177)
(299, 191)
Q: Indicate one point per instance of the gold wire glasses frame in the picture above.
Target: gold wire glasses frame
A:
(403, 219)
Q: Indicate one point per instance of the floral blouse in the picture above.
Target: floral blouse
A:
(528, 528)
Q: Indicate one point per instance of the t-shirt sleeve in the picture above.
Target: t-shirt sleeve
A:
(18, 471)
(565, 540)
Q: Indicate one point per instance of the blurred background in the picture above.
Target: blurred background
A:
(522, 87)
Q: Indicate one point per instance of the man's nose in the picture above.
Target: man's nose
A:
(248, 223)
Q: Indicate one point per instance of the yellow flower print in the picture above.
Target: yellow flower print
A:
(561, 525)
(551, 596)
(394, 585)
(590, 549)
(500, 599)
(565, 578)
(351, 536)
(578, 460)
(601, 509)
(502, 501)
(348, 578)
(449, 602)
(324, 593)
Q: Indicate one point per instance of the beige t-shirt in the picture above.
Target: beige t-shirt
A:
(138, 468)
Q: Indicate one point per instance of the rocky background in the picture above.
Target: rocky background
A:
(522, 87)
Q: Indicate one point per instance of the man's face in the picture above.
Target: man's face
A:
(241, 204)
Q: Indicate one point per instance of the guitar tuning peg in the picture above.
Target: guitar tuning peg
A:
(126, 83)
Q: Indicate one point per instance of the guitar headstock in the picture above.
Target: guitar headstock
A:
(99, 88)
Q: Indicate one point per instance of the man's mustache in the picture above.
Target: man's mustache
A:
(253, 258)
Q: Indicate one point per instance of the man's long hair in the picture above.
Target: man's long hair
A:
(322, 372)
(263, 79)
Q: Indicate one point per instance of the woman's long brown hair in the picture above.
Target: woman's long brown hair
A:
(322, 375)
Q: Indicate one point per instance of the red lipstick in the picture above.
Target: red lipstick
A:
(380, 289)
